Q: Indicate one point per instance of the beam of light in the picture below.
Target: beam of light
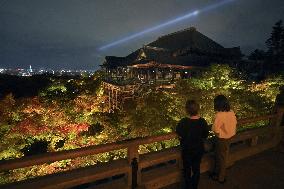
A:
(178, 19)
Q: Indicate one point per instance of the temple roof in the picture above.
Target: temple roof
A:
(186, 48)
(184, 39)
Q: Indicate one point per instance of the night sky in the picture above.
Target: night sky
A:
(68, 33)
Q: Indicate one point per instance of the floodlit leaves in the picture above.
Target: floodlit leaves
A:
(73, 113)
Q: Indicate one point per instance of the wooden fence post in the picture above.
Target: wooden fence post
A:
(279, 121)
(253, 141)
(133, 159)
(279, 128)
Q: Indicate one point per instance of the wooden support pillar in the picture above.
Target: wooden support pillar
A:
(132, 152)
(116, 103)
(148, 75)
(279, 105)
(131, 73)
(278, 138)
(112, 98)
(279, 121)
(173, 74)
(133, 160)
(253, 141)
(156, 75)
(109, 99)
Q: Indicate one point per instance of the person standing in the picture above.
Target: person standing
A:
(224, 127)
(192, 131)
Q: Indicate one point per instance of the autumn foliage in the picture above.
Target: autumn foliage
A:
(73, 113)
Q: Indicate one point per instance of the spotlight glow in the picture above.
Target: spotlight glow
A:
(178, 19)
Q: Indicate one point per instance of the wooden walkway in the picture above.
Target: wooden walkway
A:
(262, 171)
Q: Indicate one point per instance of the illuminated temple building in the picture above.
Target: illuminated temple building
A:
(178, 55)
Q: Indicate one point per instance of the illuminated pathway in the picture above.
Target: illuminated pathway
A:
(170, 22)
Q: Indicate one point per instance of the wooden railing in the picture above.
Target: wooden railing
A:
(150, 170)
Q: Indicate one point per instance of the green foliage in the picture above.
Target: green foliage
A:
(67, 120)
(156, 113)
(156, 146)
(220, 78)
(253, 126)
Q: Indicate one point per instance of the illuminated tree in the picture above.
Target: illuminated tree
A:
(58, 120)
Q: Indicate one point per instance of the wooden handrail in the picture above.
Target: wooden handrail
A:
(132, 147)
(253, 132)
(91, 150)
(255, 119)
(152, 139)
(61, 155)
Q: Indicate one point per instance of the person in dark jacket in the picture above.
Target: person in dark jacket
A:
(192, 131)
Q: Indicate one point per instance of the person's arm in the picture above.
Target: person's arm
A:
(216, 125)
(179, 128)
(205, 131)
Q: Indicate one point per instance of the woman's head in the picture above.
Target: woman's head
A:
(191, 107)
(221, 104)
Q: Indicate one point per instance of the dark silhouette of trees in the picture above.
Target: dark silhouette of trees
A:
(258, 55)
(270, 62)
(275, 43)
(22, 86)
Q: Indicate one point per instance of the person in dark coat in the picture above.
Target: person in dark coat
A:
(192, 130)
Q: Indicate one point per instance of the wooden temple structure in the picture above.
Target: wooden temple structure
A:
(118, 94)
(175, 56)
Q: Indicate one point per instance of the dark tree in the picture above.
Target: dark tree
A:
(282, 45)
(257, 55)
(275, 54)
(275, 42)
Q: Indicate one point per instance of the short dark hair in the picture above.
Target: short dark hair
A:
(192, 107)
(221, 104)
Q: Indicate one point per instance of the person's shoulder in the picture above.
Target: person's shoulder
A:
(219, 114)
(183, 120)
(231, 113)
(222, 114)
(203, 120)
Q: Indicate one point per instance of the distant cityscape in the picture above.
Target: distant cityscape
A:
(27, 72)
